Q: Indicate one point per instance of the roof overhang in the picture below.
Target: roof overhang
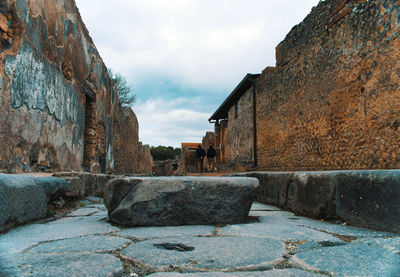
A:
(242, 87)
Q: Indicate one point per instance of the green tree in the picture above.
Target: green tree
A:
(124, 91)
(162, 153)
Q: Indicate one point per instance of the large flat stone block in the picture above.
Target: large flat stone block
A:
(305, 193)
(22, 200)
(146, 201)
(370, 199)
(82, 184)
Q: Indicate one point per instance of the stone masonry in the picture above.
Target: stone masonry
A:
(59, 109)
(126, 142)
(332, 101)
(240, 130)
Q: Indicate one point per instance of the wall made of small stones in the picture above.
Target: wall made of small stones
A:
(334, 99)
(240, 132)
(145, 160)
(221, 143)
(126, 130)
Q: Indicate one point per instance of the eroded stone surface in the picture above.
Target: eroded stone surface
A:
(75, 264)
(22, 200)
(179, 200)
(96, 243)
(210, 252)
(168, 231)
(284, 232)
(84, 212)
(350, 260)
(269, 273)
(26, 236)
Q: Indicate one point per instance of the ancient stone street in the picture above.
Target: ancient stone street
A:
(274, 243)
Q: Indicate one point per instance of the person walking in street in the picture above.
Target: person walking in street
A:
(200, 154)
(211, 154)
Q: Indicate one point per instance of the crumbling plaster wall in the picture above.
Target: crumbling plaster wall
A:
(334, 99)
(46, 58)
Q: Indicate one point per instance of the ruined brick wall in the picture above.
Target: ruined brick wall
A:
(51, 76)
(240, 132)
(208, 139)
(333, 101)
(189, 159)
(126, 135)
(145, 160)
(221, 142)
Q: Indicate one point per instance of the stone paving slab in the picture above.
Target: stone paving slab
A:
(391, 243)
(350, 260)
(84, 212)
(69, 227)
(263, 207)
(210, 253)
(286, 232)
(75, 264)
(168, 231)
(269, 273)
(288, 218)
(80, 244)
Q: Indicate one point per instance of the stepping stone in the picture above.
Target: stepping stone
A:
(146, 201)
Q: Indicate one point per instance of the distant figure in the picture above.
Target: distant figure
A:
(200, 154)
(211, 153)
(175, 165)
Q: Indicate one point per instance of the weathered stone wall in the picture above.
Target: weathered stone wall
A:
(333, 101)
(163, 168)
(145, 160)
(51, 76)
(189, 160)
(126, 128)
(240, 132)
(221, 142)
(208, 139)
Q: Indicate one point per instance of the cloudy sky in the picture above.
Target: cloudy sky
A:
(184, 57)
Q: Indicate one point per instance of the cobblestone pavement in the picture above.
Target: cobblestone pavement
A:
(274, 243)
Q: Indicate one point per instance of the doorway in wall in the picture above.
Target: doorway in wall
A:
(91, 137)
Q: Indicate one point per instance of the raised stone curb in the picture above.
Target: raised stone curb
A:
(369, 198)
(167, 201)
(361, 198)
(22, 200)
(82, 184)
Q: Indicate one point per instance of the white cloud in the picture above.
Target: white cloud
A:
(209, 43)
(167, 123)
